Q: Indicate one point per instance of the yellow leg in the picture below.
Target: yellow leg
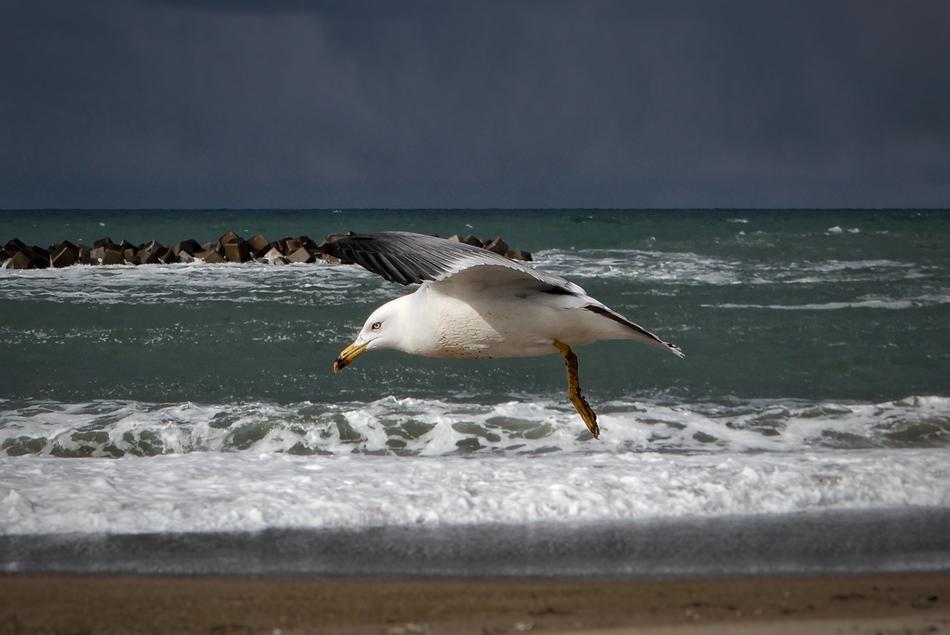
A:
(574, 389)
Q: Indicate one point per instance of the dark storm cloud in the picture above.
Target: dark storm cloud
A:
(293, 103)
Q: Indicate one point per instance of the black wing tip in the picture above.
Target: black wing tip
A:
(607, 313)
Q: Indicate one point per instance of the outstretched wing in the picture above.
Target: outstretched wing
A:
(409, 258)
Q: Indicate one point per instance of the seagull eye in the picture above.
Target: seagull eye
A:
(376, 325)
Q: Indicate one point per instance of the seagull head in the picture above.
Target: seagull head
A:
(383, 329)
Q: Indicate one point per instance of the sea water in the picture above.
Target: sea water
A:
(199, 398)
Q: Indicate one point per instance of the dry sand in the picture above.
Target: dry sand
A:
(57, 604)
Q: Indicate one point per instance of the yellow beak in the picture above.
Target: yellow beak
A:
(347, 355)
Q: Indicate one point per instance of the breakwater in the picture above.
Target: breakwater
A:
(229, 247)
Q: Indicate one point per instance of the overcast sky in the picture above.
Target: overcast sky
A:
(288, 103)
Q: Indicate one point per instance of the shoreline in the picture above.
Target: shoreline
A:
(885, 603)
(829, 542)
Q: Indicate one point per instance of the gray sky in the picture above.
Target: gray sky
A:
(288, 103)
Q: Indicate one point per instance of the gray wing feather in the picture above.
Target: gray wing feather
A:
(408, 258)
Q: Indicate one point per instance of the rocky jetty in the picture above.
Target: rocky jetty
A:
(229, 247)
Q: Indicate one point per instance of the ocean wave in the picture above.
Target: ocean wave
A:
(255, 491)
(298, 284)
(429, 427)
(837, 229)
(893, 304)
(321, 284)
(641, 265)
(688, 268)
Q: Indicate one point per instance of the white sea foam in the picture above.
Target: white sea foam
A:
(833, 265)
(688, 268)
(253, 491)
(893, 304)
(429, 427)
(637, 264)
(837, 229)
(322, 284)
(299, 284)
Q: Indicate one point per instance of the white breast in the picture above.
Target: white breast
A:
(481, 326)
(496, 312)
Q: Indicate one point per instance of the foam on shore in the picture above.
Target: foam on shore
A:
(255, 491)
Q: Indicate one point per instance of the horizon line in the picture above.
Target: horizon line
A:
(475, 209)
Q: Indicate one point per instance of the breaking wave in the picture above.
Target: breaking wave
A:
(254, 491)
(297, 284)
(329, 285)
(428, 427)
(894, 304)
(692, 269)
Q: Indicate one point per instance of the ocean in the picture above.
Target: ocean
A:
(195, 403)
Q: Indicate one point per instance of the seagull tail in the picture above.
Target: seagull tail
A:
(637, 332)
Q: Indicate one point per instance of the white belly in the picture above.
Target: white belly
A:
(514, 327)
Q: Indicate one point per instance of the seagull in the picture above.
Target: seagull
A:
(475, 303)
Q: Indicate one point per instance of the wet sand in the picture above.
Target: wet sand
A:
(64, 604)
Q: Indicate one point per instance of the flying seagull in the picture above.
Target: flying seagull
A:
(472, 302)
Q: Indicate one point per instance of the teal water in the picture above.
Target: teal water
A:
(765, 304)
(175, 398)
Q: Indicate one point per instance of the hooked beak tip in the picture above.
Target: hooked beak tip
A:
(347, 355)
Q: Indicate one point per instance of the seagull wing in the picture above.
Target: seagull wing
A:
(409, 258)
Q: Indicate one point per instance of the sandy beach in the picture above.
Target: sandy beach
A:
(87, 604)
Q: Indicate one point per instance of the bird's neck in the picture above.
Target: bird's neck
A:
(413, 322)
